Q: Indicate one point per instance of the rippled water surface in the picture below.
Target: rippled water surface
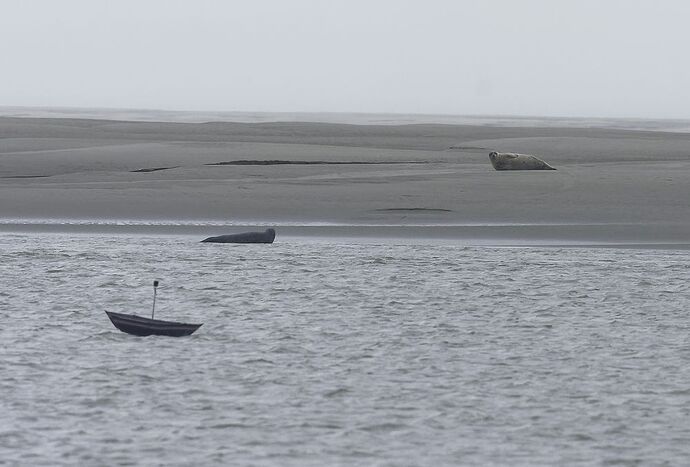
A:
(329, 353)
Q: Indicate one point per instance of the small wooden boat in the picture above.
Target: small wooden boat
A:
(140, 326)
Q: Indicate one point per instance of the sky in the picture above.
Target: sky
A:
(573, 58)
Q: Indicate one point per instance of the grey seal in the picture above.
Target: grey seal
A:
(267, 236)
(512, 161)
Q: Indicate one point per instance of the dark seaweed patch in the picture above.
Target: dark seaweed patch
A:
(154, 169)
(287, 162)
(414, 209)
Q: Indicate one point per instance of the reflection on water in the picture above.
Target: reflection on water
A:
(323, 353)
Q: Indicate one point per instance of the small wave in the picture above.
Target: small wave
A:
(255, 361)
(224, 426)
(336, 392)
(387, 427)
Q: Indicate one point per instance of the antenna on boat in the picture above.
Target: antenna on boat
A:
(153, 310)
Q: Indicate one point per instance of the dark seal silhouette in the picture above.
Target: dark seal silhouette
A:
(512, 161)
(267, 236)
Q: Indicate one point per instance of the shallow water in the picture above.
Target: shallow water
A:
(328, 353)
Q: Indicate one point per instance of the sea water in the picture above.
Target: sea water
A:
(337, 353)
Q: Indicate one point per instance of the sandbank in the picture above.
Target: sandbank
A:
(613, 186)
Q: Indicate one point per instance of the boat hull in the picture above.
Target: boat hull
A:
(139, 326)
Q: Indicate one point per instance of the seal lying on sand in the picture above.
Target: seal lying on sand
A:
(512, 161)
(267, 236)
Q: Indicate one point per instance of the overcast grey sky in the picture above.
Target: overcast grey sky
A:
(598, 58)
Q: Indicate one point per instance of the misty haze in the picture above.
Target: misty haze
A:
(344, 233)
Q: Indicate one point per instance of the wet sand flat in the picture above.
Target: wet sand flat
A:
(611, 185)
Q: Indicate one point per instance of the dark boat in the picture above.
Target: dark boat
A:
(140, 326)
(133, 324)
